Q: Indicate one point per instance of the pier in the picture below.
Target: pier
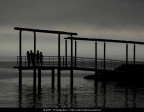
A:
(72, 62)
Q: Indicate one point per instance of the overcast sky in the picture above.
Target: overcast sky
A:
(114, 19)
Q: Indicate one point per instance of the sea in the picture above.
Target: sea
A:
(86, 93)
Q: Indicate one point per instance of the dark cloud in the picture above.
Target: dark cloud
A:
(111, 14)
(116, 19)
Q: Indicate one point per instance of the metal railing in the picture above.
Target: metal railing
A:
(79, 62)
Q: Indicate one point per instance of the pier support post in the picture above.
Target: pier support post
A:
(20, 60)
(59, 64)
(20, 98)
(53, 79)
(96, 93)
(20, 79)
(39, 79)
(34, 79)
(71, 71)
(104, 94)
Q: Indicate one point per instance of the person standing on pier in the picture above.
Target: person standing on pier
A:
(28, 58)
(41, 58)
(32, 57)
(37, 57)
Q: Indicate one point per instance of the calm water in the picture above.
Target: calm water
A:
(110, 94)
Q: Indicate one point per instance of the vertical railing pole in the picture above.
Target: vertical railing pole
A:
(134, 54)
(126, 54)
(17, 61)
(49, 62)
(112, 65)
(75, 53)
(95, 57)
(104, 55)
(66, 52)
(63, 61)
(25, 61)
(53, 61)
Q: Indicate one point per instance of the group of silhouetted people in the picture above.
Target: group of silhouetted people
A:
(34, 59)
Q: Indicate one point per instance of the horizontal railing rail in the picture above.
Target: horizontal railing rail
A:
(78, 62)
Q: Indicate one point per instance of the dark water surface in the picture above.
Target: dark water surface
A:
(106, 94)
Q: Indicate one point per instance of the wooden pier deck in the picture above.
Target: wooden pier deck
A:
(111, 69)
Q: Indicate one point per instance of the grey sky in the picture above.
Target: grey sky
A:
(116, 19)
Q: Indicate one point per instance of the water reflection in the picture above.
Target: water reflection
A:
(104, 94)
(130, 97)
(66, 100)
(134, 97)
(104, 99)
(126, 97)
(101, 94)
(20, 98)
(28, 97)
(95, 92)
(59, 99)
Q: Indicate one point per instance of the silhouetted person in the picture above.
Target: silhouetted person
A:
(37, 57)
(32, 57)
(41, 58)
(28, 58)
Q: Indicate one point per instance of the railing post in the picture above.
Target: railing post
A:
(126, 54)
(104, 55)
(49, 62)
(81, 62)
(63, 61)
(17, 61)
(25, 60)
(75, 53)
(95, 56)
(53, 62)
(102, 63)
(134, 54)
(111, 64)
